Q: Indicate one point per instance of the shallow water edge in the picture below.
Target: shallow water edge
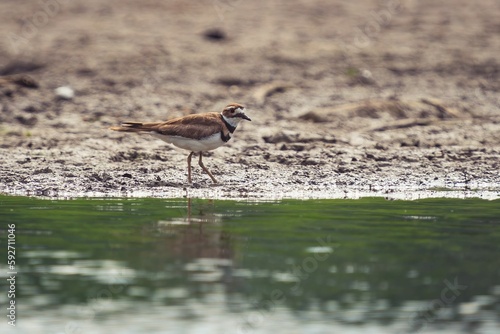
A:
(222, 193)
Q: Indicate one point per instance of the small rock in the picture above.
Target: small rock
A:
(214, 34)
(65, 93)
(370, 156)
(45, 170)
(281, 137)
(28, 121)
(293, 147)
(366, 73)
(26, 81)
(314, 116)
(363, 77)
(342, 170)
(310, 162)
(31, 109)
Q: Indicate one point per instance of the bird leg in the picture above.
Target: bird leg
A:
(189, 167)
(205, 169)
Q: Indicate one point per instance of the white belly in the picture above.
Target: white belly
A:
(205, 144)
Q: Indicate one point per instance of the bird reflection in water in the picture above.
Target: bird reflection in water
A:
(198, 240)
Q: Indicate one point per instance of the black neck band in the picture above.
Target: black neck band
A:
(230, 127)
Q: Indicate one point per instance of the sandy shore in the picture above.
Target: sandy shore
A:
(395, 98)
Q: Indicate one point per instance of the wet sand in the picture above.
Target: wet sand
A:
(396, 98)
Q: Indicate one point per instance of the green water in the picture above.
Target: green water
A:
(136, 265)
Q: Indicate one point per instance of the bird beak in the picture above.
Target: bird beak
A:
(245, 117)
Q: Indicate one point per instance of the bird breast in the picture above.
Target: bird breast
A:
(194, 145)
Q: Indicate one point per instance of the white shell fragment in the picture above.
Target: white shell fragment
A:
(65, 92)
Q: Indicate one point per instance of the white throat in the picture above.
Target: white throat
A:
(233, 120)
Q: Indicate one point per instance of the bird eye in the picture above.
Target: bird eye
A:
(232, 111)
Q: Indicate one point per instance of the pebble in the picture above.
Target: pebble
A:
(215, 34)
(65, 93)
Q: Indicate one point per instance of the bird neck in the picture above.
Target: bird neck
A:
(230, 123)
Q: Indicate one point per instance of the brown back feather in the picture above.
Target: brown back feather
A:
(191, 126)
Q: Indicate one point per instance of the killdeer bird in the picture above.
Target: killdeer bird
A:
(196, 133)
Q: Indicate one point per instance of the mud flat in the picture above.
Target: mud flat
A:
(347, 100)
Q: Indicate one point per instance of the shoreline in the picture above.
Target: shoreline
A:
(406, 194)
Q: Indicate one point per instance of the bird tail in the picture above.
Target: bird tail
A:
(134, 127)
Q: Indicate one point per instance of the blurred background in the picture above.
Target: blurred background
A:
(142, 58)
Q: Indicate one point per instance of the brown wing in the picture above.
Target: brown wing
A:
(192, 126)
